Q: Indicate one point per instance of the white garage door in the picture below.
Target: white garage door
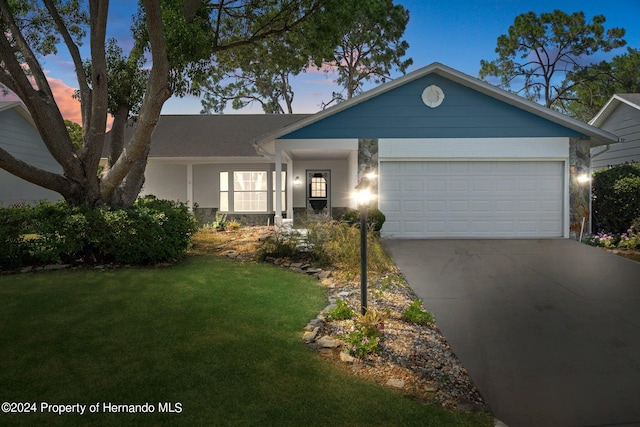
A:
(472, 199)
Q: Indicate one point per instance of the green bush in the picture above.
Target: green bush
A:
(14, 227)
(414, 313)
(341, 311)
(151, 231)
(375, 218)
(367, 334)
(616, 198)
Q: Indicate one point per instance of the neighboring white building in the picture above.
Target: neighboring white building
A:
(19, 137)
(621, 117)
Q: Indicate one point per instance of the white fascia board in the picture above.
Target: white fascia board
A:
(473, 148)
(209, 160)
(314, 144)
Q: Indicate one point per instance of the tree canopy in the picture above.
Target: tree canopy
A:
(372, 47)
(182, 39)
(360, 40)
(539, 52)
(595, 85)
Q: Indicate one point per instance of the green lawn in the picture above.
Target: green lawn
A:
(220, 341)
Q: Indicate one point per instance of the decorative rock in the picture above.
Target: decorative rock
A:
(311, 335)
(324, 274)
(316, 322)
(328, 342)
(346, 357)
(56, 266)
(395, 382)
(344, 294)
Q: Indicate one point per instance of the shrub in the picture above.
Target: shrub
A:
(281, 245)
(367, 334)
(341, 311)
(14, 225)
(414, 313)
(616, 198)
(220, 224)
(151, 231)
(375, 218)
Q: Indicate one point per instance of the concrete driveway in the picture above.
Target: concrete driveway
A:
(549, 330)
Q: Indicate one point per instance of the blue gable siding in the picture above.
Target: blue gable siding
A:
(400, 113)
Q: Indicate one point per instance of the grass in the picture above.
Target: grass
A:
(222, 339)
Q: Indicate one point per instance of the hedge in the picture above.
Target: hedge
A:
(152, 231)
(616, 198)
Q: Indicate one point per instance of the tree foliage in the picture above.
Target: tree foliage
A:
(372, 47)
(182, 38)
(260, 72)
(361, 40)
(616, 198)
(540, 51)
(597, 84)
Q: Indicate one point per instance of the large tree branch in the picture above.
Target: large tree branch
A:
(85, 91)
(158, 91)
(94, 134)
(37, 176)
(40, 103)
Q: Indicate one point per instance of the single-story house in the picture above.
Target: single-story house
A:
(453, 157)
(620, 116)
(20, 137)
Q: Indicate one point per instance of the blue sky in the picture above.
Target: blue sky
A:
(457, 33)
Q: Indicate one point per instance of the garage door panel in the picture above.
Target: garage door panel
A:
(472, 199)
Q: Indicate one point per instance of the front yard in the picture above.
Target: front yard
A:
(204, 342)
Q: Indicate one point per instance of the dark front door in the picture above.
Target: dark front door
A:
(318, 194)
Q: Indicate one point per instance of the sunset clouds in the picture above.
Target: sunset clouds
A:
(63, 94)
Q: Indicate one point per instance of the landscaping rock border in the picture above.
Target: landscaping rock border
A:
(416, 360)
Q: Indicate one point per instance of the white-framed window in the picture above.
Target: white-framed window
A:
(247, 191)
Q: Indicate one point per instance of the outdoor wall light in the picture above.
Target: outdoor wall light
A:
(297, 181)
(583, 176)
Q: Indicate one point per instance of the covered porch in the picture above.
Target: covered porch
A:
(321, 184)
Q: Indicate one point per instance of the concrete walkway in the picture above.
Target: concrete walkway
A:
(549, 330)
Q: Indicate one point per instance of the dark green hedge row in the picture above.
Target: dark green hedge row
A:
(616, 198)
(150, 232)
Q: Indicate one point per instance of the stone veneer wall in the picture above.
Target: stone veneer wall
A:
(208, 215)
(300, 214)
(368, 161)
(579, 193)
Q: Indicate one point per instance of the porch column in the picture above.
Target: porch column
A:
(277, 220)
(190, 187)
(289, 188)
(368, 161)
(579, 187)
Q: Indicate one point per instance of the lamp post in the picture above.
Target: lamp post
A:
(363, 197)
(363, 256)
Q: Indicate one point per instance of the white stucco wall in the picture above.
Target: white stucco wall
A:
(340, 180)
(166, 181)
